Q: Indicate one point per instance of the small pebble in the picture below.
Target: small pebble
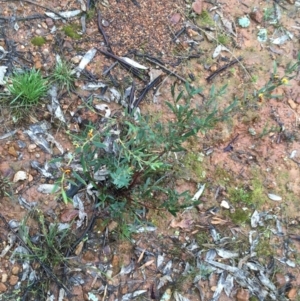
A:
(38, 31)
(44, 25)
(49, 22)
(3, 288)
(15, 270)
(31, 147)
(4, 277)
(13, 280)
(242, 295)
(292, 294)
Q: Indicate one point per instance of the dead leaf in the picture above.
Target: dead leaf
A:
(141, 256)
(227, 24)
(79, 247)
(218, 221)
(183, 224)
(68, 215)
(147, 264)
(112, 226)
(12, 151)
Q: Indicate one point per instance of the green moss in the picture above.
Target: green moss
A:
(202, 238)
(194, 166)
(90, 14)
(71, 31)
(240, 195)
(38, 41)
(263, 248)
(205, 19)
(222, 176)
(240, 216)
(223, 39)
(251, 117)
(258, 194)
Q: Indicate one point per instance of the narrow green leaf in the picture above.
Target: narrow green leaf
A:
(64, 196)
(98, 144)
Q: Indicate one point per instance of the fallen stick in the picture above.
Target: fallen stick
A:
(215, 73)
(128, 67)
(167, 70)
(101, 30)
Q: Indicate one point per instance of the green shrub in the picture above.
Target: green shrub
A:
(137, 158)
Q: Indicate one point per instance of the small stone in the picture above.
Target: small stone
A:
(44, 25)
(15, 270)
(76, 59)
(37, 155)
(46, 52)
(197, 6)
(3, 288)
(225, 204)
(13, 280)
(20, 176)
(105, 23)
(68, 46)
(4, 277)
(213, 68)
(256, 16)
(39, 32)
(38, 65)
(192, 33)
(175, 18)
(292, 294)
(31, 147)
(91, 31)
(30, 178)
(280, 280)
(49, 37)
(49, 22)
(242, 295)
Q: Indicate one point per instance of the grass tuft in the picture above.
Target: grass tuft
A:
(62, 75)
(27, 89)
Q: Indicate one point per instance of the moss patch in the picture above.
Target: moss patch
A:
(194, 166)
(71, 31)
(205, 19)
(223, 39)
(240, 216)
(38, 41)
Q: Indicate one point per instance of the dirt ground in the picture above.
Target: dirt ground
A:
(255, 153)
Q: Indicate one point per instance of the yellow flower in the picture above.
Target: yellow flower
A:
(284, 81)
(261, 96)
(90, 133)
